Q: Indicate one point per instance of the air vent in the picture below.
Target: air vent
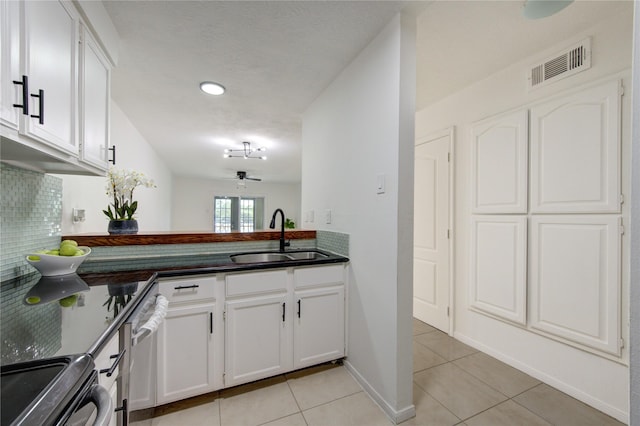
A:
(571, 61)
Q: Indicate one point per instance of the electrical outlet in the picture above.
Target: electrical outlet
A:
(327, 216)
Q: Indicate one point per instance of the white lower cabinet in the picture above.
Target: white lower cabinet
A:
(273, 321)
(107, 364)
(318, 326)
(185, 353)
(257, 338)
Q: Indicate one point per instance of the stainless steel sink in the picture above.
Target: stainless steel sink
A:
(267, 257)
(259, 257)
(306, 255)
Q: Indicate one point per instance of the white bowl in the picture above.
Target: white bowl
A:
(50, 265)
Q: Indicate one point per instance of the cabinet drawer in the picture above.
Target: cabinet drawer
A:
(256, 282)
(318, 275)
(105, 359)
(184, 290)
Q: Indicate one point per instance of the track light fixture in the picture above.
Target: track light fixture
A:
(246, 152)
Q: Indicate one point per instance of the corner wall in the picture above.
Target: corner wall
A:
(360, 128)
(596, 380)
(89, 192)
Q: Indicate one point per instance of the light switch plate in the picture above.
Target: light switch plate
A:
(380, 188)
(327, 216)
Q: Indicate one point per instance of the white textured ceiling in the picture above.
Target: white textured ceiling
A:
(274, 58)
(461, 42)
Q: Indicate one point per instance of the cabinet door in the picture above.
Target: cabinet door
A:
(50, 61)
(499, 164)
(95, 78)
(575, 278)
(575, 152)
(185, 352)
(318, 326)
(256, 340)
(499, 266)
(10, 66)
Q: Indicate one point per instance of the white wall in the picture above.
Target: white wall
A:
(89, 192)
(192, 202)
(360, 127)
(593, 379)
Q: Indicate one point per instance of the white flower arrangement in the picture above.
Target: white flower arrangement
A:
(120, 186)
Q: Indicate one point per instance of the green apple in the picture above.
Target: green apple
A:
(67, 250)
(72, 242)
(79, 252)
(53, 252)
(34, 258)
(69, 301)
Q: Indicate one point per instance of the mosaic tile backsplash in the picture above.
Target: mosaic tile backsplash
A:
(335, 242)
(30, 217)
(31, 333)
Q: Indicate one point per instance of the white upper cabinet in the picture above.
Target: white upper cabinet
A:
(11, 91)
(499, 266)
(50, 58)
(95, 80)
(54, 108)
(499, 165)
(575, 152)
(575, 278)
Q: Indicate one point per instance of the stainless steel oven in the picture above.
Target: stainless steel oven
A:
(54, 391)
(136, 337)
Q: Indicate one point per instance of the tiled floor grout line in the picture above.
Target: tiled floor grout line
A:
(297, 403)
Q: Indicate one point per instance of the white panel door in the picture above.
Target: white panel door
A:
(575, 278)
(499, 164)
(575, 152)
(51, 46)
(318, 326)
(186, 362)
(257, 343)
(95, 83)
(499, 266)
(431, 229)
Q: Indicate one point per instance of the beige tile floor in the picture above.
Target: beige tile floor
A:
(453, 385)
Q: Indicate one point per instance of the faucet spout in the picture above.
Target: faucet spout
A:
(272, 225)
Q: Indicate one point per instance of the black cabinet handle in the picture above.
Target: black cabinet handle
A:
(283, 311)
(113, 157)
(123, 408)
(40, 115)
(210, 322)
(25, 94)
(299, 308)
(111, 370)
(183, 287)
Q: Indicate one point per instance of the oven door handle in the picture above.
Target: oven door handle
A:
(99, 395)
(152, 324)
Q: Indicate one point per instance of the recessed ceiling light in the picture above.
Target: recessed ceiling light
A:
(212, 88)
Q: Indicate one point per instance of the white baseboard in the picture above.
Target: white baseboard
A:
(550, 380)
(396, 416)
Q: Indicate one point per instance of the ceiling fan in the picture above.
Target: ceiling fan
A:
(241, 175)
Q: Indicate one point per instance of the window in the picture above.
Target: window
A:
(244, 214)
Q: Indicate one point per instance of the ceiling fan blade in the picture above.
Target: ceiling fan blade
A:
(256, 179)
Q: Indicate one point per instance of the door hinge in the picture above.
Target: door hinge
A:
(621, 227)
(224, 376)
(224, 315)
(621, 343)
(448, 157)
(448, 233)
(448, 311)
(621, 198)
(621, 90)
